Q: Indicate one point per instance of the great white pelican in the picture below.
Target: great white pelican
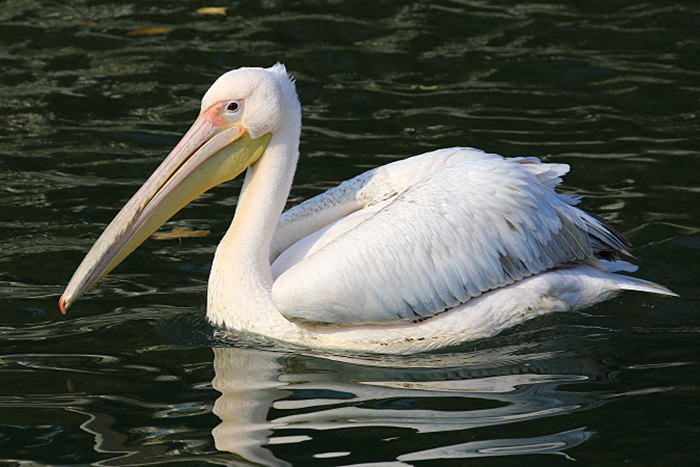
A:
(430, 251)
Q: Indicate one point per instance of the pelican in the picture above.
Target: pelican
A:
(422, 253)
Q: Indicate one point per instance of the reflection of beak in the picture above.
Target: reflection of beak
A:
(213, 151)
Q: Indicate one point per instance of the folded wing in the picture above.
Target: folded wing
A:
(461, 231)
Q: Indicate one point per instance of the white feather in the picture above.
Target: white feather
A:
(438, 243)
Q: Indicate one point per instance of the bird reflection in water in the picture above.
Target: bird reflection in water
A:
(271, 399)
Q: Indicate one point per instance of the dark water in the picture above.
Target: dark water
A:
(129, 377)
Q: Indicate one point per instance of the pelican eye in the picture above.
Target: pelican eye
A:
(233, 107)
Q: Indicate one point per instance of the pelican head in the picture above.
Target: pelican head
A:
(239, 114)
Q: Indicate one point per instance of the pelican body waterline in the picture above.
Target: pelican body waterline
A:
(430, 251)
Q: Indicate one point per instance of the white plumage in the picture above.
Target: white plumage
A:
(474, 225)
(430, 251)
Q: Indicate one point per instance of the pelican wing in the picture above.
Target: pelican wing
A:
(364, 191)
(457, 233)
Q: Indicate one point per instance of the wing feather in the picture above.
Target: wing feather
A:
(463, 230)
(370, 188)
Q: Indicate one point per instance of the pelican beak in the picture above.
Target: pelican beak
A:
(213, 151)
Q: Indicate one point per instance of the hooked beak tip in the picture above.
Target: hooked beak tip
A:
(62, 305)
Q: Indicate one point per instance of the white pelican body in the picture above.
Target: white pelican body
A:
(430, 251)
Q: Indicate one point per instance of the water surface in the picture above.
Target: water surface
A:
(92, 97)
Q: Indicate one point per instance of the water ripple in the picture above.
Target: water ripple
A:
(87, 111)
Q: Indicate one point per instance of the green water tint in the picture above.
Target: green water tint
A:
(89, 111)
